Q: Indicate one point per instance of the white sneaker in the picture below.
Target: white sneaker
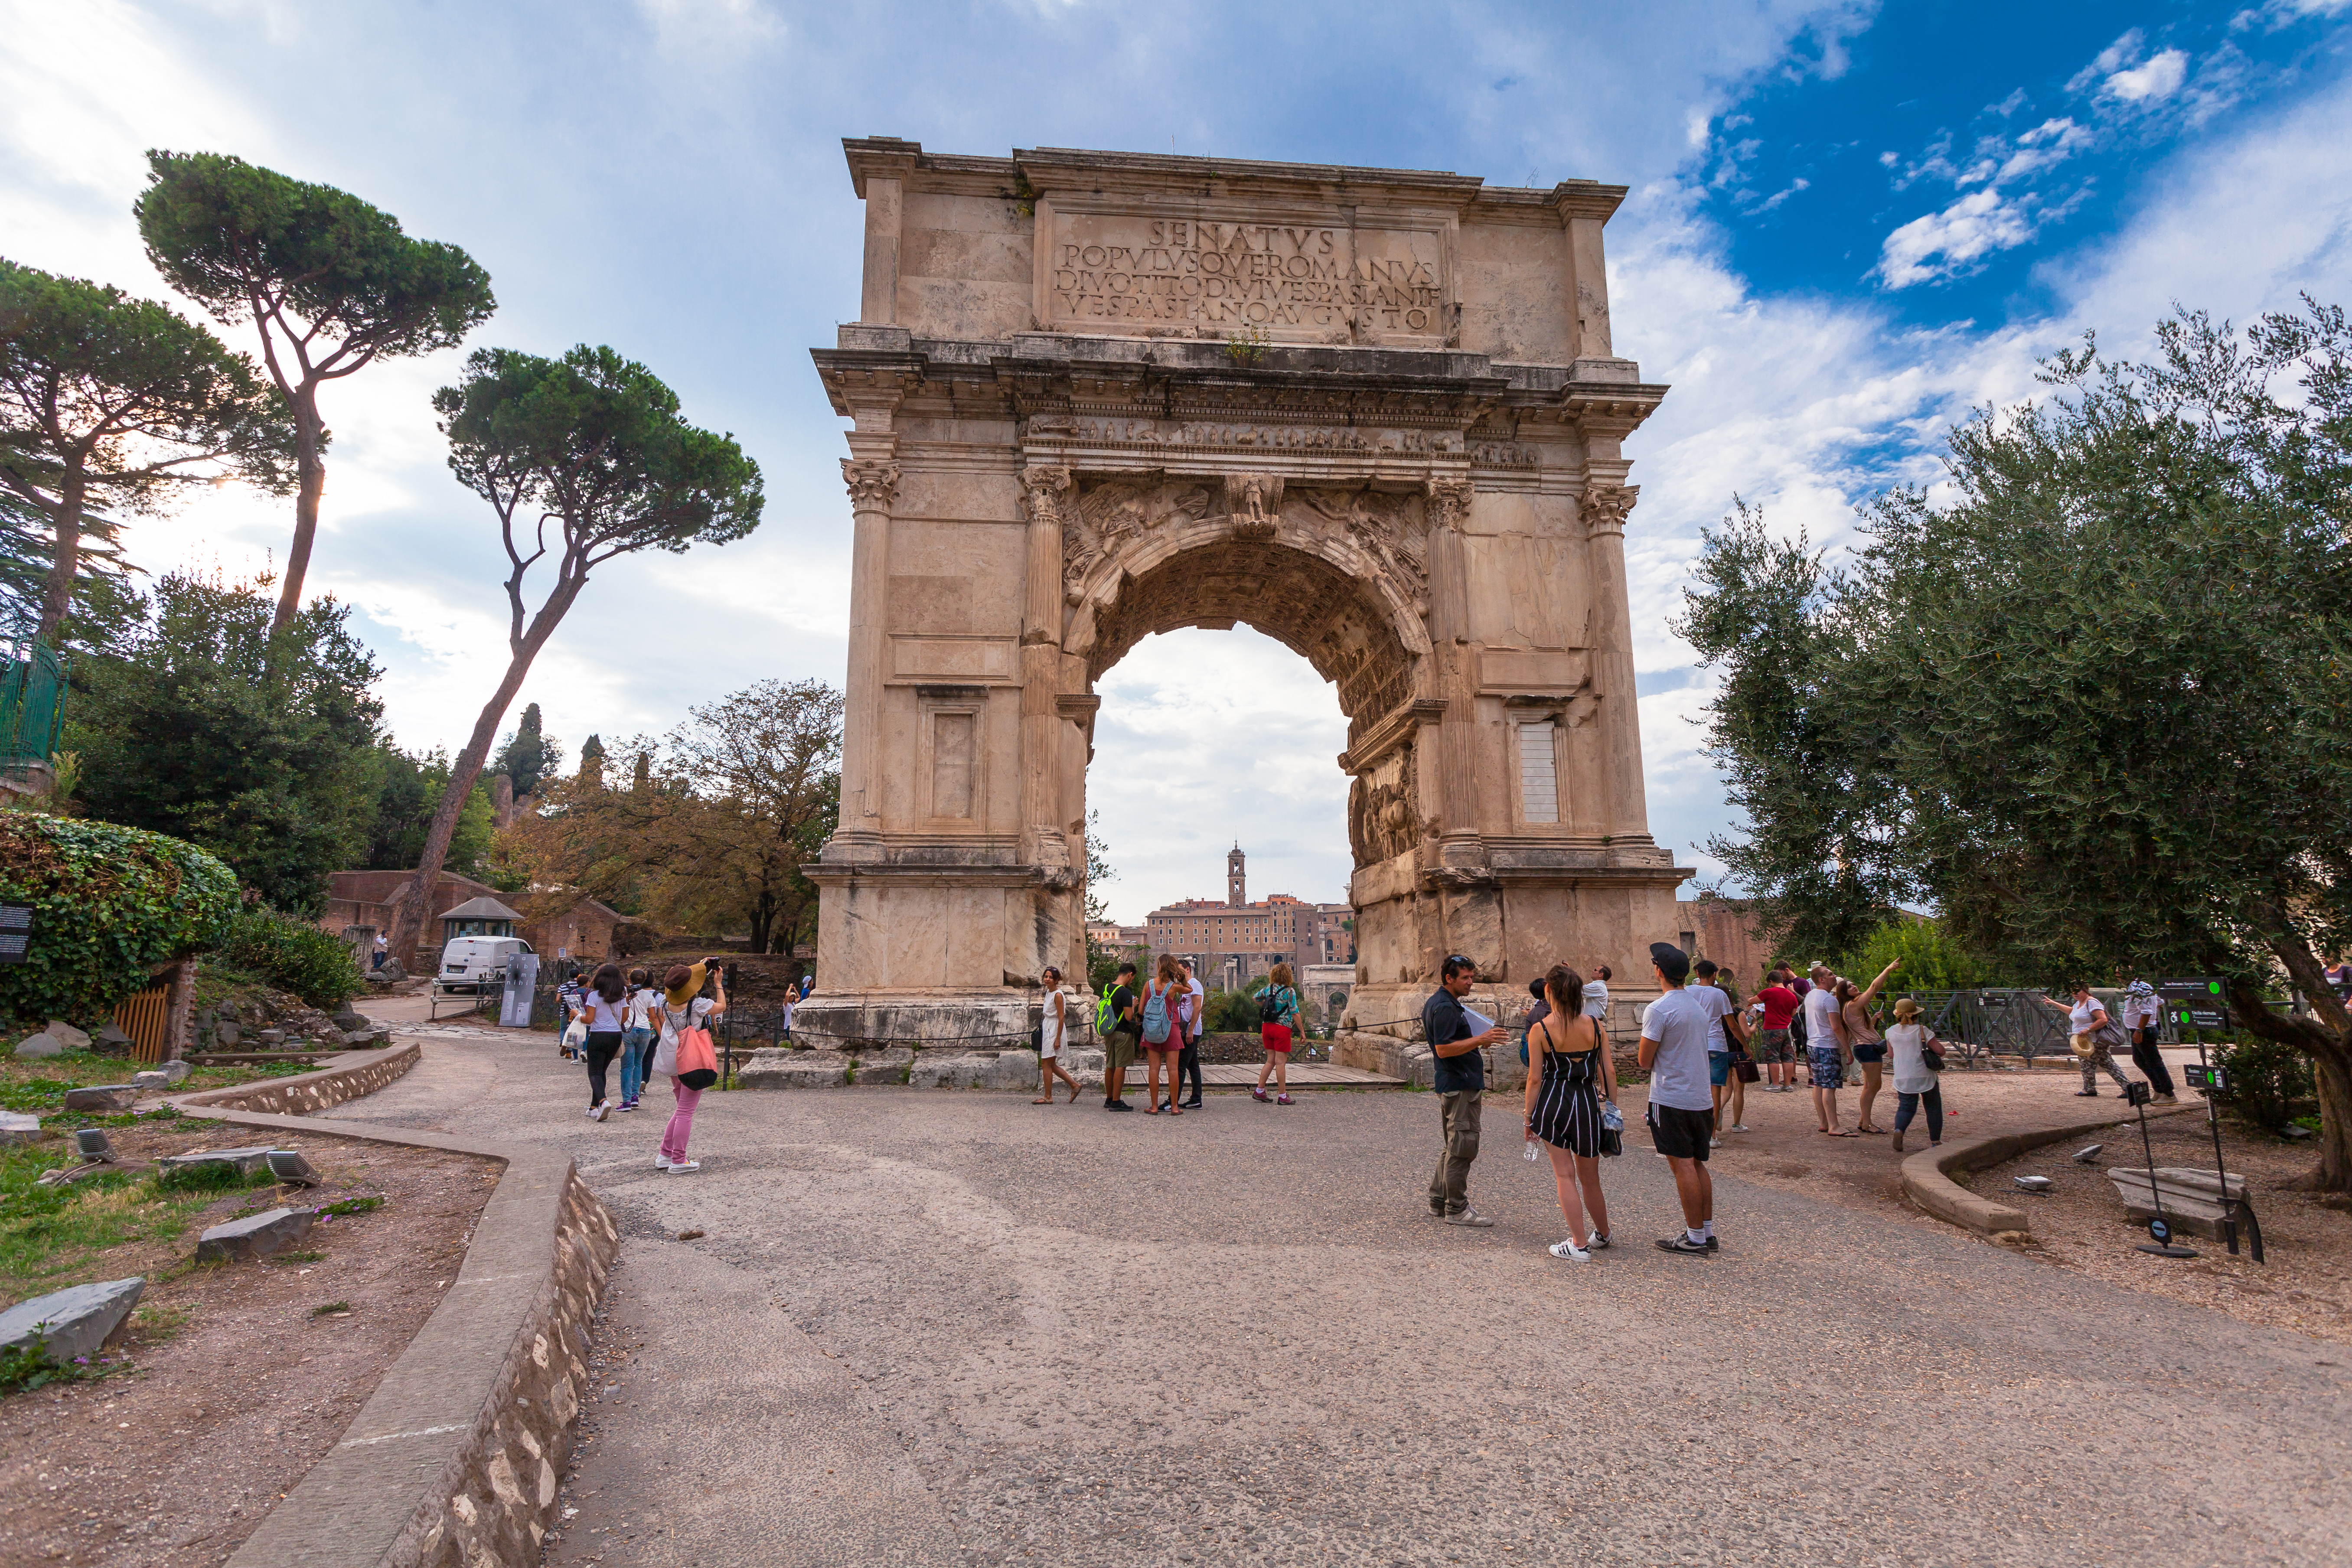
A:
(1570, 1251)
(1715, 1143)
(603, 1109)
(594, 1113)
(683, 1166)
(1739, 1127)
(661, 1162)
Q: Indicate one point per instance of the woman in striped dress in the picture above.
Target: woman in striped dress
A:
(1569, 1075)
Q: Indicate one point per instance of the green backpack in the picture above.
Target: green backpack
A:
(1104, 1018)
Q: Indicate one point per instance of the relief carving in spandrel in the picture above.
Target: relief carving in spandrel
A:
(1111, 512)
(1388, 528)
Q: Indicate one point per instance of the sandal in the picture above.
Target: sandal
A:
(1047, 1100)
(1175, 1111)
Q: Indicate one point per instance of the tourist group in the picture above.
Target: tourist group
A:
(1161, 1020)
(1701, 1050)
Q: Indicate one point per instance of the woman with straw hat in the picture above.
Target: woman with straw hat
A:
(1916, 1082)
(683, 1005)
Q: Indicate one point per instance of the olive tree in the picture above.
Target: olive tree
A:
(111, 405)
(330, 282)
(584, 458)
(2094, 704)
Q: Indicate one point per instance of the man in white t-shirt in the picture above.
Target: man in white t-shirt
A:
(1824, 1053)
(1596, 995)
(1682, 1105)
(1188, 1061)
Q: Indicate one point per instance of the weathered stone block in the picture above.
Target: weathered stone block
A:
(273, 1037)
(72, 1322)
(246, 1161)
(883, 1068)
(256, 1235)
(38, 1048)
(148, 1082)
(20, 1127)
(103, 1098)
(176, 1071)
(772, 1068)
(65, 1034)
(110, 1041)
(290, 1166)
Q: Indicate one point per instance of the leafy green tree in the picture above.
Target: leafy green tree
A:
(330, 282)
(113, 404)
(2094, 707)
(189, 723)
(527, 756)
(406, 803)
(592, 447)
(1927, 956)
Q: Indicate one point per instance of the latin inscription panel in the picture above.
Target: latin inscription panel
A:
(1127, 272)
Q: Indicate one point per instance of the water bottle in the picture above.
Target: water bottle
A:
(1530, 1156)
(1611, 1117)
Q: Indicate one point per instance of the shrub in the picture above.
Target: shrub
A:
(2267, 1081)
(109, 904)
(293, 955)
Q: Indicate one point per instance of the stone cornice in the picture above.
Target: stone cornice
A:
(1142, 379)
(1032, 171)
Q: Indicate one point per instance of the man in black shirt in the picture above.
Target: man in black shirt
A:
(1460, 1090)
(1119, 1045)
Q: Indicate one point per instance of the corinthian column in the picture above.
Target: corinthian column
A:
(873, 486)
(1449, 601)
(1045, 491)
(1604, 508)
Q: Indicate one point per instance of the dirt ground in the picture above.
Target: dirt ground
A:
(238, 1386)
(2305, 1283)
(2079, 1224)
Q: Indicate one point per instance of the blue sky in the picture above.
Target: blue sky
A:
(1847, 226)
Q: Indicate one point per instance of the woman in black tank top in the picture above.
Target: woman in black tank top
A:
(1569, 1075)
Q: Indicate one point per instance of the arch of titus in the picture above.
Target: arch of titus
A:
(1373, 413)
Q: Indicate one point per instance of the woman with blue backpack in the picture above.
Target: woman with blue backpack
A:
(1278, 1031)
(1163, 1036)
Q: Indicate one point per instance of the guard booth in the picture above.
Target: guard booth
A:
(477, 917)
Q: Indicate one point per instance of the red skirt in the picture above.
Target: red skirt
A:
(1274, 1036)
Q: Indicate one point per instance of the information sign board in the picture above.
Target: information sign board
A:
(15, 933)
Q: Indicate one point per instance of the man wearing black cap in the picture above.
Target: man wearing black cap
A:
(1460, 1090)
(1682, 1105)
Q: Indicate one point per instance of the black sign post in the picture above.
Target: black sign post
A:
(15, 933)
(2159, 1229)
(2196, 1004)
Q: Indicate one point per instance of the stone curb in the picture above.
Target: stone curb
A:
(1928, 1175)
(453, 1460)
(353, 1074)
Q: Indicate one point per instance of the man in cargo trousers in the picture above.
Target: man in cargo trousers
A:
(1460, 1090)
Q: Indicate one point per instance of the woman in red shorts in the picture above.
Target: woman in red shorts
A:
(1276, 1037)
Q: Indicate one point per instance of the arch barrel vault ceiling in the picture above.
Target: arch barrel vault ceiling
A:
(1372, 412)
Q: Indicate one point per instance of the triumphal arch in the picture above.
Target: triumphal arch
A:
(1373, 413)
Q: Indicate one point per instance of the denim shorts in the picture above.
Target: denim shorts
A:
(1718, 1067)
(1828, 1072)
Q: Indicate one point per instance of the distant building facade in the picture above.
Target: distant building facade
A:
(1233, 942)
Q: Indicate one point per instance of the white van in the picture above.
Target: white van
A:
(477, 964)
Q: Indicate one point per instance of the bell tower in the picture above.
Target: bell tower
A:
(1236, 880)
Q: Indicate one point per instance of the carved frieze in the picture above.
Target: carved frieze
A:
(873, 483)
(1384, 817)
(1255, 503)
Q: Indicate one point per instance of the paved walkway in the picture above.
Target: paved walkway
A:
(931, 1327)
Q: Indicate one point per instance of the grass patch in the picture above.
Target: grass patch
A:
(50, 1237)
(159, 1322)
(39, 1087)
(214, 1176)
(26, 1367)
(351, 1206)
(295, 1257)
(332, 1310)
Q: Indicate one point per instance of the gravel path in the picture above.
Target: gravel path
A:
(924, 1326)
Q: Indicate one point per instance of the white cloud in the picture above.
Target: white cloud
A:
(1944, 242)
(2107, 61)
(2158, 78)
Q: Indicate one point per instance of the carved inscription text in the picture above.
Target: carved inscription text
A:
(1227, 276)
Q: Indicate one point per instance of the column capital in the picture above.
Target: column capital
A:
(1603, 507)
(873, 483)
(1449, 501)
(1044, 489)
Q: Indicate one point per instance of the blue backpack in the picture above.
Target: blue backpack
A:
(1155, 1023)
